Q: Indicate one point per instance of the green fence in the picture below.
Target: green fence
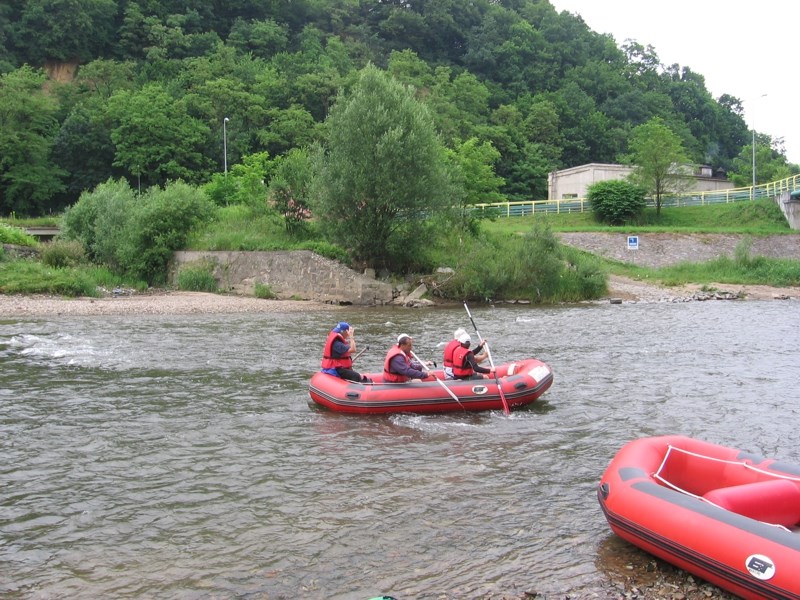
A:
(570, 205)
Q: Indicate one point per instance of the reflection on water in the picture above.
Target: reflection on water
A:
(180, 457)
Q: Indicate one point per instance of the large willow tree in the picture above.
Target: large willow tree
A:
(381, 179)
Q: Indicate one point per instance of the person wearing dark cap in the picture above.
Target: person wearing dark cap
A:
(465, 366)
(337, 359)
(399, 365)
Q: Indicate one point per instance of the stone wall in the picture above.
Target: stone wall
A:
(299, 274)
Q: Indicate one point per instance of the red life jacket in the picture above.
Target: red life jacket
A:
(461, 368)
(448, 352)
(331, 362)
(394, 377)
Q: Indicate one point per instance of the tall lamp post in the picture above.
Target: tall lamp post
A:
(754, 152)
(225, 145)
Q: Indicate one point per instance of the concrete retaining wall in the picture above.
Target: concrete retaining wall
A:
(790, 208)
(299, 274)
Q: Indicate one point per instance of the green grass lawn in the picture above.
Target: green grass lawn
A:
(759, 217)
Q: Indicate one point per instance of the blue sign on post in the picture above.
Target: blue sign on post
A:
(633, 242)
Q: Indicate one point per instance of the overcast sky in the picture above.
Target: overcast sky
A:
(745, 49)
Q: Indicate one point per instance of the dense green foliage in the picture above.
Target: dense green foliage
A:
(659, 159)
(197, 278)
(154, 82)
(14, 235)
(62, 253)
(132, 233)
(616, 202)
(532, 267)
(380, 181)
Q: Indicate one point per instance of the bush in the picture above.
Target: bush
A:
(14, 235)
(263, 291)
(100, 220)
(534, 267)
(615, 201)
(63, 253)
(197, 278)
(327, 250)
(159, 225)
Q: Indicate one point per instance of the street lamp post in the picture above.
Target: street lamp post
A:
(225, 144)
(754, 152)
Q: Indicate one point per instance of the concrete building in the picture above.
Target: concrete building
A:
(573, 182)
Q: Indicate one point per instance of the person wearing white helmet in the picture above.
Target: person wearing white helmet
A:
(479, 353)
(464, 364)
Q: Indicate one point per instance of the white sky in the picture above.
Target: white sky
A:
(744, 49)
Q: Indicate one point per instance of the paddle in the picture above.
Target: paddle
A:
(491, 362)
(364, 349)
(440, 382)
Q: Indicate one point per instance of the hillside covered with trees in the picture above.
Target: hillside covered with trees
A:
(151, 83)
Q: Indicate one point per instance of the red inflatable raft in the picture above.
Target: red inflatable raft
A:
(722, 514)
(522, 382)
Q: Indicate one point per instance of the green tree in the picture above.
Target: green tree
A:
(156, 138)
(473, 172)
(64, 29)
(659, 160)
(381, 178)
(289, 189)
(771, 163)
(28, 179)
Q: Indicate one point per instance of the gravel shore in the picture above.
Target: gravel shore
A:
(160, 303)
(196, 303)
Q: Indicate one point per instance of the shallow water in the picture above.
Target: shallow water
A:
(178, 457)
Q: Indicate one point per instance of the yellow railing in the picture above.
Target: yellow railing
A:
(568, 205)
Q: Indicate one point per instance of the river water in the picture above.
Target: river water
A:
(178, 456)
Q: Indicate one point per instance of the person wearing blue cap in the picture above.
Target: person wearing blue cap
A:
(337, 356)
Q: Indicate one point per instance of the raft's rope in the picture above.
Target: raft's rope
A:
(670, 448)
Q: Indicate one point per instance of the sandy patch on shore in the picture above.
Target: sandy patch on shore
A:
(196, 303)
(166, 303)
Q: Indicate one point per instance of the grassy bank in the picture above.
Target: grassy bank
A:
(757, 218)
(748, 219)
(500, 255)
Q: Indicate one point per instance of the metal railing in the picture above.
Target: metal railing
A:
(571, 205)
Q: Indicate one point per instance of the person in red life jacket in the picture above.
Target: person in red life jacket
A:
(479, 353)
(337, 357)
(464, 364)
(399, 367)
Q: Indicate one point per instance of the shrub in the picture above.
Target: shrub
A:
(263, 291)
(159, 225)
(615, 201)
(63, 253)
(14, 235)
(327, 250)
(197, 277)
(100, 219)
